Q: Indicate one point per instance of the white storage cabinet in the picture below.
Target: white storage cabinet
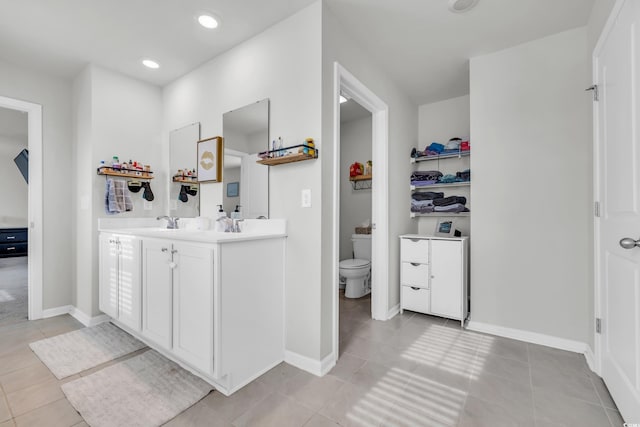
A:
(434, 275)
(119, 278)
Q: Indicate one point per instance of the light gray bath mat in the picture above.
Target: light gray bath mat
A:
(146, 390)
(86, 348)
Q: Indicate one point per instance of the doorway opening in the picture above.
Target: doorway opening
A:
(349, 87)
(20, 225)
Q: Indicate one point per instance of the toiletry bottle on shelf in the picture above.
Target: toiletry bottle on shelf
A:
(116, 163)
(102, 165)
(310, 147)
(280, 145)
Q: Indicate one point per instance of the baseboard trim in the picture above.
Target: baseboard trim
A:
(56, 311)
(530, 337)
(591, 358)
(393, 311)
(87, 320)
(316, 367)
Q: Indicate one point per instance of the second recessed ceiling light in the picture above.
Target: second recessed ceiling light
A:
(208, 21)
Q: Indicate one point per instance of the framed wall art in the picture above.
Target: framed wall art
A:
(210, 154)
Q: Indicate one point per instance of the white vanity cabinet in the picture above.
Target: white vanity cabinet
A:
(434, 275)
(212, 302)
(119, 278)
(177, 299)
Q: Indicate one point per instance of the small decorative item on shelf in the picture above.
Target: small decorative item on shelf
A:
(132, 169)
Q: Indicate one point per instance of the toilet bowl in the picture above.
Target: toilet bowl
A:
(356, 272)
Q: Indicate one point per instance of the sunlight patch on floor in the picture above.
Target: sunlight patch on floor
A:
(6, 296)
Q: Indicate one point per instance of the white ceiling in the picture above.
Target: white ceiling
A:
(422, 46)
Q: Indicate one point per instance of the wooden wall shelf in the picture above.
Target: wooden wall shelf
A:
(289, 158)
(126, 173)
(185, 179)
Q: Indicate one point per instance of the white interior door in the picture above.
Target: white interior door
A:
(617, 67)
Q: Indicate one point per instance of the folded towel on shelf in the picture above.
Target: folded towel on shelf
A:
(117, 197)
(426, 176)
(422, 209)
(427, 195)
(422, 203)
(423, 183)
(455, 208)
(464, 175)
(451, 200)
(449, 179)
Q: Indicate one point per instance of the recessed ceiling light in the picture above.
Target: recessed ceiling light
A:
(343, 99)
(460, 6)
(150, 63)
(208, 21)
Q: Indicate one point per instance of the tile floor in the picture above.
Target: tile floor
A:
(413, 370)
(13, 290)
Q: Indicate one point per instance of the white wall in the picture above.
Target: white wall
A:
(531, 164)
(116, 115)
(13, 187)
(355, 205)
(439, 122)
(282, 64)
(54, 94)
(337, 45)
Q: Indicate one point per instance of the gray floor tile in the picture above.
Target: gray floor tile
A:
(557, 361)
(81, 424)
(504, 347)
(25, 377)
(311, 391)
(57, 414)
(17, 359)
(276, 410)
(30, 398)
(615, 418)
(511, 369)
(603, 392)
(5, 413)
(480, 413)
(567, 383)
(200, 414)
(7, 424)
(346, 366)
(229, 408)
(279, 374)
(557, 408)
(388, 381)
(319, 421)
(357, 406)
(515, 399)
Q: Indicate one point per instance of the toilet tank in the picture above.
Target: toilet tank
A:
(361, 246)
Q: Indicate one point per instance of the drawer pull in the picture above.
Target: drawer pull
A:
(415, 264)
(415, 289)
(11, 237)
(415, 240)
(11, 249)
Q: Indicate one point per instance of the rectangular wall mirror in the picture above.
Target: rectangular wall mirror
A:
(246, 183)
(184, 192)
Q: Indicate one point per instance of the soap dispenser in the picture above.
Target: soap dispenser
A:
(236, 214)
(221, 213)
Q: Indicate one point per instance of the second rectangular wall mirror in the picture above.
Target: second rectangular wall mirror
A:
(184, 193)
(246, 133)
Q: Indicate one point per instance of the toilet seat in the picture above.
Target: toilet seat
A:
(354, 263)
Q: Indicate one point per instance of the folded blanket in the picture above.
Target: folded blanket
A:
(422, 203)
(427, 195)
(446, 201)
(426, 176)
(117, 197)
(422, 209)
(456, 208)
(423, 183)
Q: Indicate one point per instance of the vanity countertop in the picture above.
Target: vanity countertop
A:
(254, 230)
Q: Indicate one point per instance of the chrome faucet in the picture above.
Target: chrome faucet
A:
(172, 221)
(236, 226)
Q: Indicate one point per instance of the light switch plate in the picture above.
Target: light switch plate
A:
(306, 198)
(148, 205)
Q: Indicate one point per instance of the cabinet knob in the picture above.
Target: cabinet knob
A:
(165, 249)
(433, 277)
(174, 251)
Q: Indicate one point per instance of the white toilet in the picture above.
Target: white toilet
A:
(357, 271)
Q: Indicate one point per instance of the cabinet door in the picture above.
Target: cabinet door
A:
(157, 294)
(193, 305)
(446, 278)
(129, 293)
(108, 275)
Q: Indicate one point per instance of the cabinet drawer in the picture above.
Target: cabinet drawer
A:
(13, 249)
(414, 251)
(415, 299)
(13, 236)
(414, 274)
